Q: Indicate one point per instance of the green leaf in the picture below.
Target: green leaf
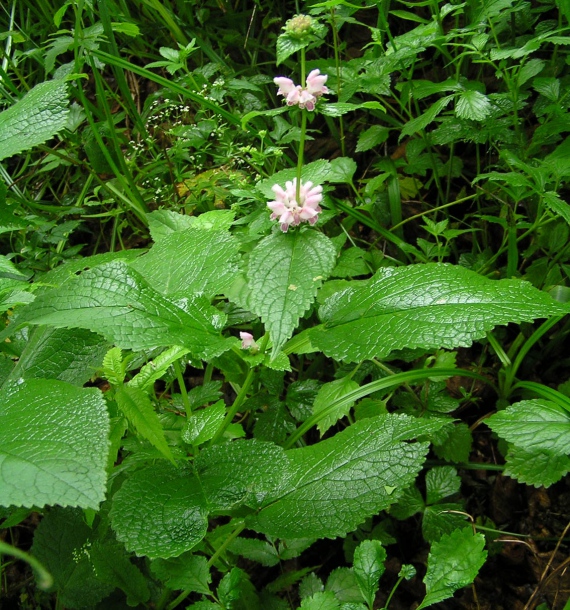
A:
(536, 467)
(241, 472)
(285, 272)
(328, 393)
(472, 105)
(350, 264)
(156, 368)
(188, 572)
(453, 563)
(62, 542)
(322, 600)
(369, 558)
(115, 301)
(112, 566)
(371, 137)
(191, 261)
(335, 484)
(423, 306)
(421, 122)
(442, 519)
(159, 511)
(534, 425)
(342, 170)
(557, 205)
(37, 117)
(58, 353)
(255, 550)
(441, 482)
(453, 443)
(340, 108)
(203, 425)
(53, 444)
(139, 411)
(342, 582)
(287, 45)
(235, 591)
(162, 223)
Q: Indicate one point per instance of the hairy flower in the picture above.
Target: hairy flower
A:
(304, 97)
(292, 212)
(247, 340)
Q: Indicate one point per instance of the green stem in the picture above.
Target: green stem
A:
(301, 154)
(182, 386)
(44, 577)
(392, 592)
(240, 398)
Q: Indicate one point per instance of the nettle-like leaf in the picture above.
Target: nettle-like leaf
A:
(189, 572)
(331, 392)
(453, 563)
(53, 444)
(37, 117)
(472, 105)
(334, 485)
(539, 431)
(160, 511)
(115, 301)
(191, 261)
(369, 558)
(285, 271)
(423, 306)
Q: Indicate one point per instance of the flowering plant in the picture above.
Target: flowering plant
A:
(305, 97)
(293, 206)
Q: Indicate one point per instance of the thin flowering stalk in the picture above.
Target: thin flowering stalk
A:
(301, 153)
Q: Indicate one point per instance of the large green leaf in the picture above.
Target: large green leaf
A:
(160, 511)
(534, 425)
(335, 484)
(423, 306)
(453, 563)
(53, 444)
(190, 261)
(115, 301)
(37, 117)
(285, 271)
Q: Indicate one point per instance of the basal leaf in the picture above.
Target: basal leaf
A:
(536, 467)
(369, 558)
(328, 393)
(53, 445)
(534, 425)
(139, 411)
(335, 484)
(453, 563)
(159, 511)
(187, 571)
(423, 306)
(285, 271)
(115, 301)
(37, 117)
(190, 261)
(242, 472)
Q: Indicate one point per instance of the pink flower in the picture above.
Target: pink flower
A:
(291, 212)
(247, 340)
(306, 97)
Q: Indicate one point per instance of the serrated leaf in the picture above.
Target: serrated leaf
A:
(453, 443)
(203, 425)
(371, 137)
(410, 503)
(191, 261)
(369, 558)
(136, 406)
(241, 472)
(534, 425)
(557, 205)
(188, 572)
(335, 484)
(287, 45)
(37, 117)
(351, 263)
(322, 600)
(62, 544)
(441, 482)
(113, 366)
(159, 511)
(471, 104)
(442, 519)
(423, 306)
(285, 272)
(339, 108)
(255, 550)
(155, 369)
(421, 122)
(58, 353)
(536, 467)
(115, 301)
(113, 567)
(162, 223)
(236, 591)
(453, 563)
(342, 582)
(342, 170)
(328, 393)
(53, 444)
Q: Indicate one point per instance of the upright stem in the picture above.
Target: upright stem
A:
(303, 130)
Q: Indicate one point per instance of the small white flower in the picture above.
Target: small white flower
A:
(291, 212)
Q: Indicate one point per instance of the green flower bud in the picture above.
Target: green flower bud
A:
(299, 26)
